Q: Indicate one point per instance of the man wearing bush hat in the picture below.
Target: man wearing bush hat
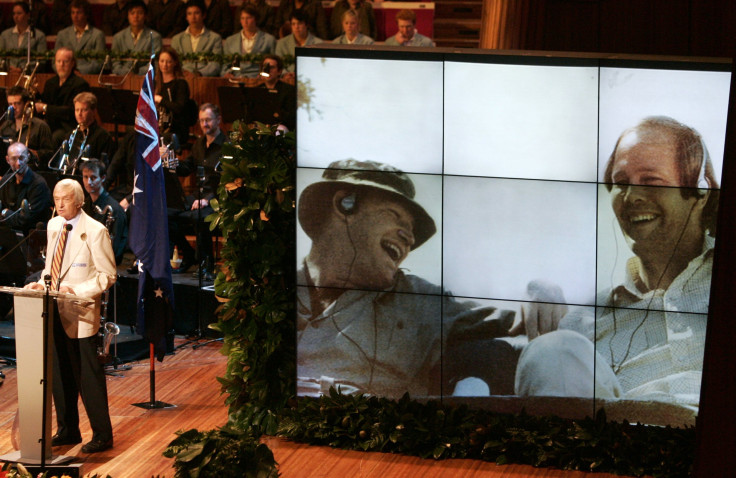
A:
(364, 325)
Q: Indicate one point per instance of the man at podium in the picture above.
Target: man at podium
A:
(79, 261)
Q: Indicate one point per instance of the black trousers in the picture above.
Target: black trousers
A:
(78, 372)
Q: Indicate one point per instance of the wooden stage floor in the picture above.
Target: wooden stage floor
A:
(188, 380)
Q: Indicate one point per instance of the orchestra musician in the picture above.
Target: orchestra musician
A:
(57, 100)
(26, 128)
(88, 139)
(93, 176)
(20, 183)
(172, 96)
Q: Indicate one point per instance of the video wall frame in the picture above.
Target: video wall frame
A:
(535, 224)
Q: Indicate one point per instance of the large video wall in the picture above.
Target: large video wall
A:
(498, 225)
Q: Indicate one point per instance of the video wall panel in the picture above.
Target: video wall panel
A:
(504, 226)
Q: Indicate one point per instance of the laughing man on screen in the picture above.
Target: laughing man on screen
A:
(363, 325)
(647, 347)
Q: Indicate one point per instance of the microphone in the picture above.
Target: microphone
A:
(102, 70)
(68, 227)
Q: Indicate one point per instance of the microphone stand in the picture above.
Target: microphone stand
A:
(198, 335)
(47, 330)
(202, 271)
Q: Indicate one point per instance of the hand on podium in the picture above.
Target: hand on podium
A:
(34, 286)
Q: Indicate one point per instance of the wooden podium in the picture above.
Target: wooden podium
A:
(34, 373)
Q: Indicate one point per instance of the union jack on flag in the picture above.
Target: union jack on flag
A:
(149, 230)
(146, 121)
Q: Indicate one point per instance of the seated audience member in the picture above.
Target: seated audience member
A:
(312, 12)
(93, 176)
(198, 39)
(57, 100)
(59, 16)
(115, 17)
(407, 35)
(39, 14)
(33, 131)
(206, 152)
(16, 38)
(135, 38)
(364, 11)
(248, 41)
(172, 97)
(282, 95)
(168, 17)
(218, 17)
(91, 140)
(26, 185)
(266, 16)
(300, 36)
(351, 35)
(83, 37)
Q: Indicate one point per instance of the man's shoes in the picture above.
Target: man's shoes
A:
(97, 445)
(61, 440)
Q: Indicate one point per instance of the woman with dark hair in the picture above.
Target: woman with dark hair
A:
(172, 96)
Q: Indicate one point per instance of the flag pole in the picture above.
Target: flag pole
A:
(149, 235)
(153, 403)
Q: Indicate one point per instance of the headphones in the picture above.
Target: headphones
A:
(702, 181)
(347, 204)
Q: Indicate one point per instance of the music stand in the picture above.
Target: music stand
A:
(232, 103)
(116, 106)
(13, 267)
(262, 106)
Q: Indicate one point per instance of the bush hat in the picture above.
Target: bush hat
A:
(354, 175)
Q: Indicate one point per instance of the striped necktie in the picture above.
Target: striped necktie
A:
(59, 257)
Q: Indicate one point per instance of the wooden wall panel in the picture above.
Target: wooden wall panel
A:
(658, 27)
(571, 25)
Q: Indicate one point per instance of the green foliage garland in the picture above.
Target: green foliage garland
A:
(255, 211)
(223, 453)
(202, 57)
(431, 430)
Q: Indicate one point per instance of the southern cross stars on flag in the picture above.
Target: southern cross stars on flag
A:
(149, 233)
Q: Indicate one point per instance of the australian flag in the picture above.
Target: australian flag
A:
(149, 231)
